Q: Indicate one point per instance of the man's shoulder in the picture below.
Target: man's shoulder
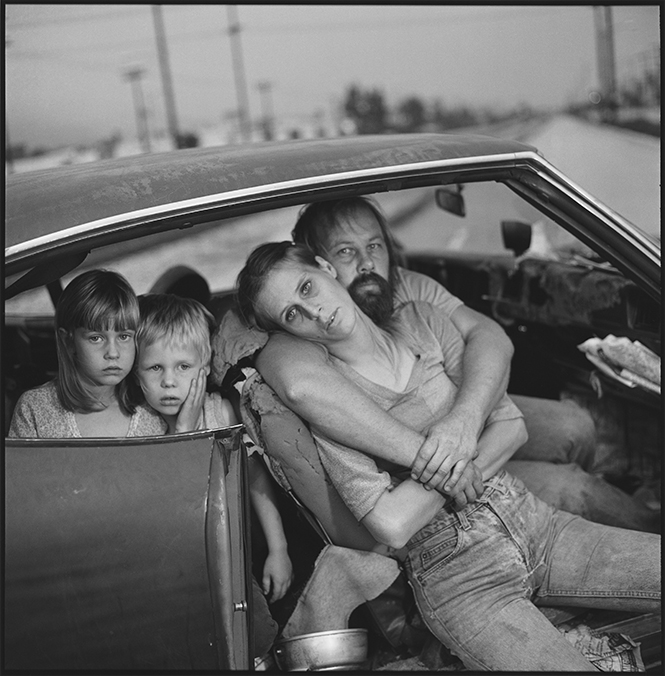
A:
(416, 311)
(421, 320)
(411, 285)
(406, 276)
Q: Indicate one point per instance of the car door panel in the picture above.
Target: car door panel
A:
(113, 551)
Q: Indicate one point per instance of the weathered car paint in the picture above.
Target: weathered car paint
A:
(118, 553)
(71, 210)
(45, 202)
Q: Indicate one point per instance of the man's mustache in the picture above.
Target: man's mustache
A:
(370, 278)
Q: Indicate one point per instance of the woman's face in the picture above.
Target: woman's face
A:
(308, 302)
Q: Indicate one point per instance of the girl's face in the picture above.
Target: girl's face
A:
(105, 358)
(165, 371)
(308, 302)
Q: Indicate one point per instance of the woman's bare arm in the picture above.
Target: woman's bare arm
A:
(304, 380)
(402, 511)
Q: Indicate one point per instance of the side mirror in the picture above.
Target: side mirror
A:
(516, 236)
(449, 198)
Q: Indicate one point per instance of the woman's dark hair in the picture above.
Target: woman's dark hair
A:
(97, 300)
(316, 221)
(252, 278)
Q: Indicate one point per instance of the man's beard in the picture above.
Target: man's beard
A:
(376, 303)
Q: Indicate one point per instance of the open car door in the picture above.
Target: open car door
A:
(127, 553)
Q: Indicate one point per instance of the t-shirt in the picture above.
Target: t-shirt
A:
(412, 286)
(429, 395)
(40, 415)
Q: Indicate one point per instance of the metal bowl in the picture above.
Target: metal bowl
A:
(340, 650)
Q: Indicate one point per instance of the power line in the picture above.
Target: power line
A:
(39, 23)
(432, 22)
(541, 12)
(123, 44)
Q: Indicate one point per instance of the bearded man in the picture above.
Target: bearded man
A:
(353, 236)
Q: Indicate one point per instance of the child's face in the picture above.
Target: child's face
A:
(165, 372)
(104, 357)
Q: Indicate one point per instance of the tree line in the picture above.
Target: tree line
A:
(370, 113)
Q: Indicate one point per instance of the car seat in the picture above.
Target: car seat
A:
(293, 460)
(181, 280)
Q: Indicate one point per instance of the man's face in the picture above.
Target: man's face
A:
(357, 250)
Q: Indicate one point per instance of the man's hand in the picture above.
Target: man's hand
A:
(450, 445)
(469, 487)
(189, 414)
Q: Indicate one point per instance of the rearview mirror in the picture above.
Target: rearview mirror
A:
(449, 198)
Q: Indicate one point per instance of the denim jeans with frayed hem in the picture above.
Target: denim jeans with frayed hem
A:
(478, 575)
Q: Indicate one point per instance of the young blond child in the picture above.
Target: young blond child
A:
(174, 354)
(95, 324)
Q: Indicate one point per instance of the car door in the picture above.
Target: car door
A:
(127, 554)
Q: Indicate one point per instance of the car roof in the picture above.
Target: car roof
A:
(41, 203)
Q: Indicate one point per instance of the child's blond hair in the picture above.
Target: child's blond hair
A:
(180, 321)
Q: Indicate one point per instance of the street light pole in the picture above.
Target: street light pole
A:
(239, 73)
(165, 70)
(134, 75)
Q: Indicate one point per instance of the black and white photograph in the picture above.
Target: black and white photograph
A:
(332, 338)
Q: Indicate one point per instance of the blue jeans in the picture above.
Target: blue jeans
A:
(478, 575)
(559, 431)
(562, 443)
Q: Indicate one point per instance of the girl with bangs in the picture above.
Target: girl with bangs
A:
(96, 319)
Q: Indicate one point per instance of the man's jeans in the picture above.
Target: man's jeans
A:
(561, 432)
(561, 444)
(478, 575)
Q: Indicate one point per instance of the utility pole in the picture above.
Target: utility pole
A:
(265, 90)
(8, 145)
(239, 73)
(165, 70)
(606, 62)
(134, 75)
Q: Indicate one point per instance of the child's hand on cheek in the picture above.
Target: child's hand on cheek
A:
(190, 412)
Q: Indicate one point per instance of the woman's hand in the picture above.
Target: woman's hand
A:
(450, 446)
(189, 414)
(277, 575)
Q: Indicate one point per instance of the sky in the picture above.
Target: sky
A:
(66, 65)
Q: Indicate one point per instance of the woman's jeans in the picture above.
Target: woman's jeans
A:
(479, 574)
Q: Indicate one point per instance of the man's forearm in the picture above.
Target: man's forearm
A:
(497, 444)
(486, 370)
